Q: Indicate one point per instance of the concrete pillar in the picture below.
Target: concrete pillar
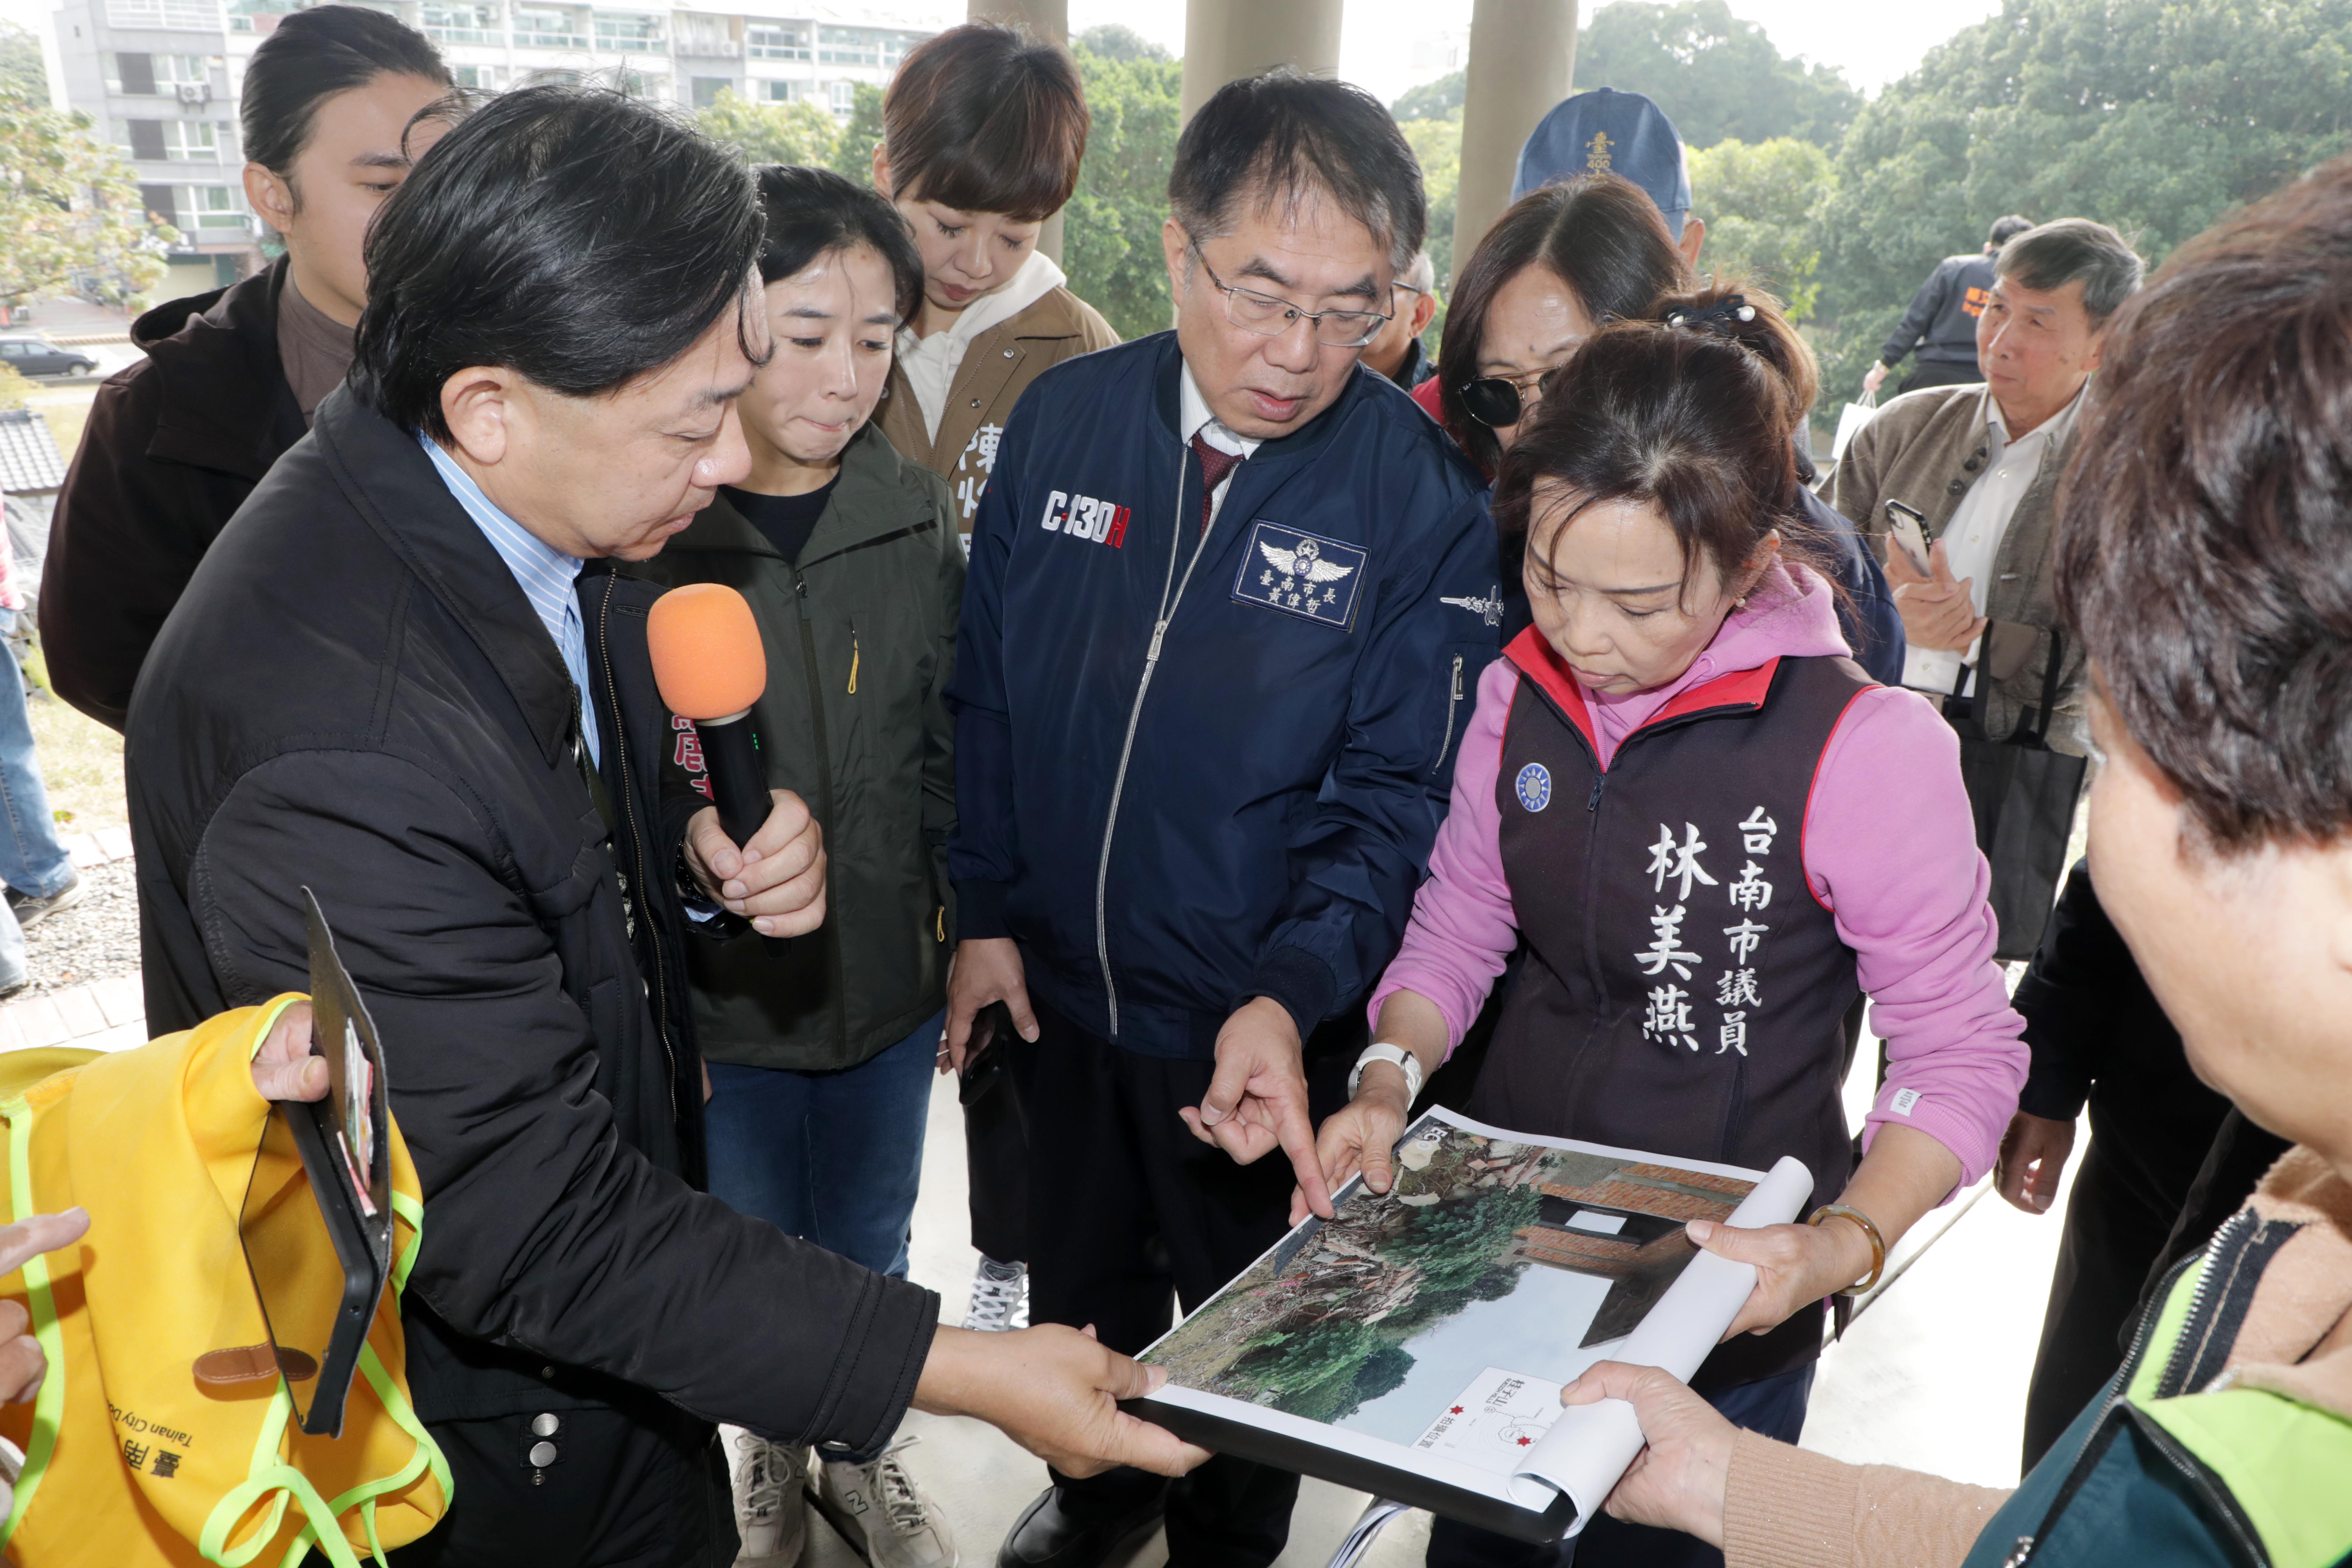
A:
(1522, 58)
(1227, 39)
(1046, 19)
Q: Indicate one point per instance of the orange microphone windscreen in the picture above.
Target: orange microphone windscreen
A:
(708, 658)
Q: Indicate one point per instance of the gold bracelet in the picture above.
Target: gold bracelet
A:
(1870, 1229)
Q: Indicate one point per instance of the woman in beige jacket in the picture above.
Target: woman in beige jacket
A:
(2206, 561)
(984, 130)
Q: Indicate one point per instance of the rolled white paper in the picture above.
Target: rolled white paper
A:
(1590, 1446)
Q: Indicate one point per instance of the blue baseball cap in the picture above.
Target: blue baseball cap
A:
(1622, 132)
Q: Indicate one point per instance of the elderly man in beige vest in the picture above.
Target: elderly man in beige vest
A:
(1978, 468)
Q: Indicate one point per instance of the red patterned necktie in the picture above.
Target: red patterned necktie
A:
(1214, 466)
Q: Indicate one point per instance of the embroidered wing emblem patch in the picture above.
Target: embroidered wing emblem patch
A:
(1302, 574)
(1535, 786)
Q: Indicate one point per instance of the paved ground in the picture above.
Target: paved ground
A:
(1931, 1376)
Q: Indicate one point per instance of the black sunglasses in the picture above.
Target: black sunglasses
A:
(1498, 401)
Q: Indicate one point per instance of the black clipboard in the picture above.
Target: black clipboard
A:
(316, 1226)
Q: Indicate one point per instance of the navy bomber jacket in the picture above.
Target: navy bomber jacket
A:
(1194, 770)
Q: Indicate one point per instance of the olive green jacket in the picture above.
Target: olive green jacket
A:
(860, 640)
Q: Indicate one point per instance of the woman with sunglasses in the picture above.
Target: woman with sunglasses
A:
(1711, 832)
(1562, 263)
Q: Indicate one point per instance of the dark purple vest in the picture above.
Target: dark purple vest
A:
(1683, 992)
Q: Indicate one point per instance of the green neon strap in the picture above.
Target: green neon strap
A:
(412, 1211)
(50, 1405)
(269, 1473)
(364, 1496)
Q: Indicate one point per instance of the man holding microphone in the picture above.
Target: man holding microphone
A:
(409, 679)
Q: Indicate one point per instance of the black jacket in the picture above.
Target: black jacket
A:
(2098, 1034)
(355, 696)
(1942, 319)
(174, 446)
(860, 635)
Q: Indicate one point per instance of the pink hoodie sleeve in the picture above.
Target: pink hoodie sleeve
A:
(1890, 850)
(1463, 927)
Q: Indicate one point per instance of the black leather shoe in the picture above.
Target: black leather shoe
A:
(1045, 1536)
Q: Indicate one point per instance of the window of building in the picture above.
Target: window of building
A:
(634, 30)
(870, 46)
(141, 76)
(181, 15)
(707, 89)
(790, 42)
(483, 78)
(463, 24)
(241, 13)
(214, 206)
(174, 140)
(549, 28)
(161, 203)
(707, 36)
(781, 91)
(845, 98)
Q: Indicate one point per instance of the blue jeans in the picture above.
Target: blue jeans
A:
(32, 861)
(832, 1157)
(1773, 1406)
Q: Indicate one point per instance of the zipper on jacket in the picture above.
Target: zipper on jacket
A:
(2104, 1430)
(1134, 715)
(1452, 702)
(852, 658)
(628, 818)
(824, 782)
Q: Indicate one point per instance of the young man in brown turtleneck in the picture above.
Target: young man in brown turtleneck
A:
(333, 112)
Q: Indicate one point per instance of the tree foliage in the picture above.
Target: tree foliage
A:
(1110, 234)
(1438, 145)
(853, 147)
(1715, 75)
(2154, 116)
(795, 133)
(71, 210)
(1113, 41)
(1759, 200)
(21, 74)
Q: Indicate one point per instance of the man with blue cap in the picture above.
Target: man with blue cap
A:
(1624, 134)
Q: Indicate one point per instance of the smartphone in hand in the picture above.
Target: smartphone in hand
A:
(1908, 530)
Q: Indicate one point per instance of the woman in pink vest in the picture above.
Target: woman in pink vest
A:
(1712, 832)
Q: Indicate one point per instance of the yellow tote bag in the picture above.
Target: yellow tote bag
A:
(130, 1460)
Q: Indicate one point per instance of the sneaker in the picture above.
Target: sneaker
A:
(770, 1485)
(999, 1298)
(883, 1515)
(31, 911)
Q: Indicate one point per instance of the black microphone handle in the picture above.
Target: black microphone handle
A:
(739, 788)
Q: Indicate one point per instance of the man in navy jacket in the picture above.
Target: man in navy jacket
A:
(1230, 596)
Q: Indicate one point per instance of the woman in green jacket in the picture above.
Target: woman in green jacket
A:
(821, 1059)
(2205, 559)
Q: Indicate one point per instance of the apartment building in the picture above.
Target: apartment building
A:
(161, 78)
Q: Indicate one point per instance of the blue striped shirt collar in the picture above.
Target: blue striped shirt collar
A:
(546, 575)
(544, 572)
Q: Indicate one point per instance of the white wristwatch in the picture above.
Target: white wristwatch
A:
(1384, 1052)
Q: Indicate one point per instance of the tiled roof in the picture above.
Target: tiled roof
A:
(30, 463)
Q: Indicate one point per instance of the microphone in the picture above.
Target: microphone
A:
(712, 667)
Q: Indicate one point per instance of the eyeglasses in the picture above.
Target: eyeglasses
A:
(1271, 317)
(1500, 400)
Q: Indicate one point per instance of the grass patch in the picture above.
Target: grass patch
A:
(82, 765)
